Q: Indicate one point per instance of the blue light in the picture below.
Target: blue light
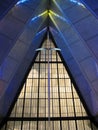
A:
(42, 14)
(58, 16)
(21, 2)
(57, 5)
(33, 19)
(41, 31)
(61, 17)
(77, 2)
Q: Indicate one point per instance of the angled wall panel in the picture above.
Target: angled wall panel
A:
(73, 36)
(22, 26)
(41, 109)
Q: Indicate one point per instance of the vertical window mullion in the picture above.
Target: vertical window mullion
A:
(58, 91)
(45, 88)
(51, 92)
(31, 96)
(66, 95)
(38, 90)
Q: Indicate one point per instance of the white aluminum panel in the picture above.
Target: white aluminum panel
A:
(93, 45)
(76, 13)
(87, 27)
(11, 27)
(19, 51)
(89, 69)
(79, 51)
(8, 68)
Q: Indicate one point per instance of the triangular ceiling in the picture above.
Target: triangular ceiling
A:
(68, 21)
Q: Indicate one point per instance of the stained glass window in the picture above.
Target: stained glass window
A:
(31, 111)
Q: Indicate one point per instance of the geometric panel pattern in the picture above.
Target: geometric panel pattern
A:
(34, 106)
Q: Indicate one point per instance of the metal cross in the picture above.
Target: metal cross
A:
(49, 49)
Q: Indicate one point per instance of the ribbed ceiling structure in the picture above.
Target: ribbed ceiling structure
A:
(73, 26)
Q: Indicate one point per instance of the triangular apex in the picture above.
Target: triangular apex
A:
(48, 100)
(48, 49)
